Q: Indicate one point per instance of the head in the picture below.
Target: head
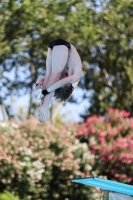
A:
(64, 93)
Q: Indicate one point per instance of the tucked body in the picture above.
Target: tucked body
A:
(63, 68)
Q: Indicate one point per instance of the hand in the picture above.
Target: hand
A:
(40, 82)
(38, 86)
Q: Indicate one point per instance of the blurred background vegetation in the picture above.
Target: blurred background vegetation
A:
(38, 162)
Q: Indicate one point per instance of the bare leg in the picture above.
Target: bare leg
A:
(43, 109)
(59, 59)
(48, 68)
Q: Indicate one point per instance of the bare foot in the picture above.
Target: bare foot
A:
(43, 108)
(42, 114)
(41, 100)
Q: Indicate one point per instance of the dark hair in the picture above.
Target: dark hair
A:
(64, 93)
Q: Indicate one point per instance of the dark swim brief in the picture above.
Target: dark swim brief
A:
(59, 42)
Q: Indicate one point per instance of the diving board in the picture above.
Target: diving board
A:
(108, 185)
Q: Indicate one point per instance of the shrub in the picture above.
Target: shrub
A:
(110, 139)
(38, 162)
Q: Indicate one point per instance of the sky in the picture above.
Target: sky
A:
(70, 112)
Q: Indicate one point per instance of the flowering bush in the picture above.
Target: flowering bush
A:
(38, 162)
(110, 139)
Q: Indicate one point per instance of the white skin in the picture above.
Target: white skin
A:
(62, 68)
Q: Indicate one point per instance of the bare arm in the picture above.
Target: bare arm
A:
(62, 82)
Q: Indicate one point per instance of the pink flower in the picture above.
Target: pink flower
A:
(110, 158)
(124, 176)
(117, 175)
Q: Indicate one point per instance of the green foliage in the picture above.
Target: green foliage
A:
(27, 28)
(38, 162)
(8, 196)
(101, 32)
(109, 73)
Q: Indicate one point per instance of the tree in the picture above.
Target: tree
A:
(109, 74)
(101, 32)
(27, 29)
(109, 138)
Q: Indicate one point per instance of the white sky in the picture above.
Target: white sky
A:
(69, 112)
